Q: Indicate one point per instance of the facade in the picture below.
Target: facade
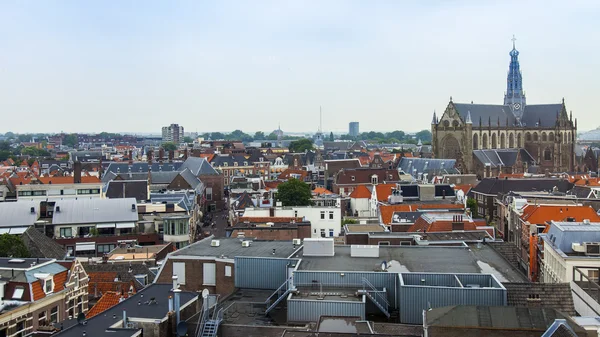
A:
(353, 130)
(324, 221)
(172, 133)
(35, 293)
(546, 131)
(177, 230)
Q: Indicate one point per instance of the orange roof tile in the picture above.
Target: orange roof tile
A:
(587, 182)
(288, 173)
(273, 183)
(69, 180)
(107, 301)
(321, 190)
(465, 188)
(384, 191)
(540, 214)
(361, 192)
(38, 291)
(59, 281)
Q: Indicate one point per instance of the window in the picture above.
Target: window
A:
(295, 214)
(18, 294)
(225, 164)
(330, 232)
(105, 248)
(384, 243)
(353, 178)
(48, 285)
(323, 233)
(547, 154)
(228, 271)
(322, 215)
(315, 231)
(208, 193)
(374, 180)
(209, 274)
(66, 232)
(330, 215)
(88, 191)
(179, 270)
(42, 318)
(20, 329)
(593, 274)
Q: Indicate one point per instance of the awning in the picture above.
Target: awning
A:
(105, 225)
(81, 246)
(126, 225)
(18, 230)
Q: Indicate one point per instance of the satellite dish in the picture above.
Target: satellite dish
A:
(182, 329)
(205, 293)
(81, 318)
(383, 265)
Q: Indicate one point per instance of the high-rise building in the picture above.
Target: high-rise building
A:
(172, 133)
(353, 129)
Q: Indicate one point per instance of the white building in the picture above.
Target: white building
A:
(324, 221)
(49, 191)
(172, 133)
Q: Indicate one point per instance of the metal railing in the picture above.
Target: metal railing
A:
(378, 293)
(588, 284)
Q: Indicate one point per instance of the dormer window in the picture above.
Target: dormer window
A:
(225, 164)
(353, 178)
(261, 159)
(245, 163)
(374, 180)
(235, 164)
(48, 285)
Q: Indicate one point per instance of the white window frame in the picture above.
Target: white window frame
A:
(228, 271)
(179, 270)
(51, 281)
(207, 270)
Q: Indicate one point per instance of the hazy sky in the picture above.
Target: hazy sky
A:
(94, 66)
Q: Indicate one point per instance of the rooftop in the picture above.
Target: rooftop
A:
(232, 247)
(136, 306)
(418, 259)
(18, 213)
(95, 210)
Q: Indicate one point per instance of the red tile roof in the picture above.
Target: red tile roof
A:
(59, 281)
(69, 180)
(107, 301)
(321, 190)
(289, 173)
(384, 191)
(540, 214)
(465, 188)
(38, 291)
(361, 192)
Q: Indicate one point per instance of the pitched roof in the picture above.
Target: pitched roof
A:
(69, 180)
(199, 166)
(126, 273)
(361, 192)
(384, 191)
(548, 295)
(321, 190)
(293, 173)
(39, 245)
(363, 176)
(494, 186)
(244, 201)
(414, 166)
(19, 213)
(439, 222)
(95, 210)
(546, 113)
(540, 214)
(137, 189)
(503, 157)
(486, 113)
(107, 301)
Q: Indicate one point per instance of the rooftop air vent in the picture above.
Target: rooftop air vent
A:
(215, 243)
(246, 243)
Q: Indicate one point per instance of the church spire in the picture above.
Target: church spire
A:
(514, 96)
(434, 120)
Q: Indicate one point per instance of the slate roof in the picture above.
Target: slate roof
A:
(39, 245)
(244, 201)
(137, 189)
(183, 199)
(414, 166)
(497, 317)
(544, 112)
(199, 166)
(18, 213)
(491, 113)
(95, 210)
(503, 157)
(581, 192)
(229, 159)
(162, 178)
(142, 167)
(191, 179)
(547, 295)
(494, 186)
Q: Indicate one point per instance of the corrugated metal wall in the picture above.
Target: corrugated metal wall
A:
(351, 280)
(415, 299)
(482, 280)
(427, 279)
(312, 310)
(260, 272)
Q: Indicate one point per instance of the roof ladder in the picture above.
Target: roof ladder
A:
(279, 294)
(376, 296)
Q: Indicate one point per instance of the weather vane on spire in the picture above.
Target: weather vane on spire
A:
(513, 40)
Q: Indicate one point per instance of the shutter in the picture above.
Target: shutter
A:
(209, 274)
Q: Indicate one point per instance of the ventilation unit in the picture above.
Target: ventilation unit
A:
(246, 243)
(215, 243)
(297, 242)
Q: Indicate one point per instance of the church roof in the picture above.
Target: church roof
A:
(502, 157)
(544, 113)
(486, 112)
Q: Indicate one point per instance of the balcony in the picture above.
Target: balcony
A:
(586, 290)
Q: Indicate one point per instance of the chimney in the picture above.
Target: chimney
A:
(149, 176)
(457, 223)
(185, 154)
(161, 155)
(171, 155)
(77, 172)
(130, 157)
(124, 319)
(177, 293)
(175, 285)
(150, 156)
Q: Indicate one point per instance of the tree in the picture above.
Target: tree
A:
(424, 136)
(259, 135)
(188, 139)
(272, 136)
(294, 192)
(399, 135)
(301, 145)
(12, 246)
(472, 205)
(71, 140)
(35, 152)
(331, 139)
(169, 146)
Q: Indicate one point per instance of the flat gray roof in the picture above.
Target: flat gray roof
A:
(418, 259)
(232, 247)
(96, 210)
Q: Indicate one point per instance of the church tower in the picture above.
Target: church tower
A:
(514, 97)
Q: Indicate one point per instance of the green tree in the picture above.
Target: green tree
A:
(217, 135)
(272, 136)
(331, 139)
(239, 135)
(71, 140)
(301, 145)
(12, 246)
(472, 205)
(5, 155)
(399, 135)
(9, 135)
(188, 139)
(169, 146)
(34, 152)
(424, 136)
(259, 135)
(294, 193)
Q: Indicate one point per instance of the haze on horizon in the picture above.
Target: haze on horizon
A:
(222, 65)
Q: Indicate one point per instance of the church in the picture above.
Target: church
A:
(513, 137)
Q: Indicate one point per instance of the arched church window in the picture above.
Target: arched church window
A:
(535, 137)
(494, 141)
(547, 154)
(511, 141)
(503, 141)
(519, 141)
(551, 136)
(568, 137)
(544, 137)
(446, 124)
(475, 142)
(455, 124)
(484, 141)
(528, 137)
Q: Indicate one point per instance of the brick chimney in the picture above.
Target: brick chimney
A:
(150, 156)
(457, 223)
(130, 157)
(171, 155)
(77, 172)
(161, 155)
(185, 154)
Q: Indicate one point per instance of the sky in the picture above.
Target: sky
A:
(135, 66)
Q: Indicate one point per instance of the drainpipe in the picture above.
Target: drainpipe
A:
(177, 293)
(425, 332)
(124, 319)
